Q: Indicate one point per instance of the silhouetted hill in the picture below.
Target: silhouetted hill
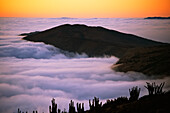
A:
(146, 104)
(31, 33)
(157, 18)
(94, 41)
(156, 102)
(148, 60)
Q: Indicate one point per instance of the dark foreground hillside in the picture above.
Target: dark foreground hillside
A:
(94, 41)
(156, 102)
(146, 104)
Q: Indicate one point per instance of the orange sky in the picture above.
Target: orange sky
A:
(84, 8)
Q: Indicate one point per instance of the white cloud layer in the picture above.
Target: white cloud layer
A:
(31, 83)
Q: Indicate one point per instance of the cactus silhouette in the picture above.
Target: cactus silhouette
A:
(19, 111)
(150, 88)
(59, 111)
(154, 89)
(71, 107)
(95, 106)
(53, 109)
(80, 108)
(134, 93)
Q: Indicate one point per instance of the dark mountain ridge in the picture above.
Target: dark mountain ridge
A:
(94, 41)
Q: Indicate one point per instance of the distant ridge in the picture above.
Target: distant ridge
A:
(94, 41)
(157, 18)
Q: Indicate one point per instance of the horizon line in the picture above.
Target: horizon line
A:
(78, 17)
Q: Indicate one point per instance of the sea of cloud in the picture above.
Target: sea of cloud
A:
(31, 74)
(13, 47)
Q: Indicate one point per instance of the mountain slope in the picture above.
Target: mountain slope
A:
(94, 41)
(148, 60)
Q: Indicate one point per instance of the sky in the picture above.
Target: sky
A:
(84, 8)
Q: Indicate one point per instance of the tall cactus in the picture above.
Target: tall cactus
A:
(158, 88)
(80, 108)
(134, 93)
(19, 111)
(71, 107)
(59, 111)
(53, 109)
(95, 105)
(35, 111)
(150, 88)
(154, 89)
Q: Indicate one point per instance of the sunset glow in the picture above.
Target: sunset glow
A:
(84, 8)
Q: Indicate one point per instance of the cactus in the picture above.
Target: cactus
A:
(53, 109)
(158, 89)
(154, 89)
(80, 108)
(19, 111)
(134, 93)
(35, 111)
(95, 105)
(71, 107)
(150, 88)
(59, 111)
